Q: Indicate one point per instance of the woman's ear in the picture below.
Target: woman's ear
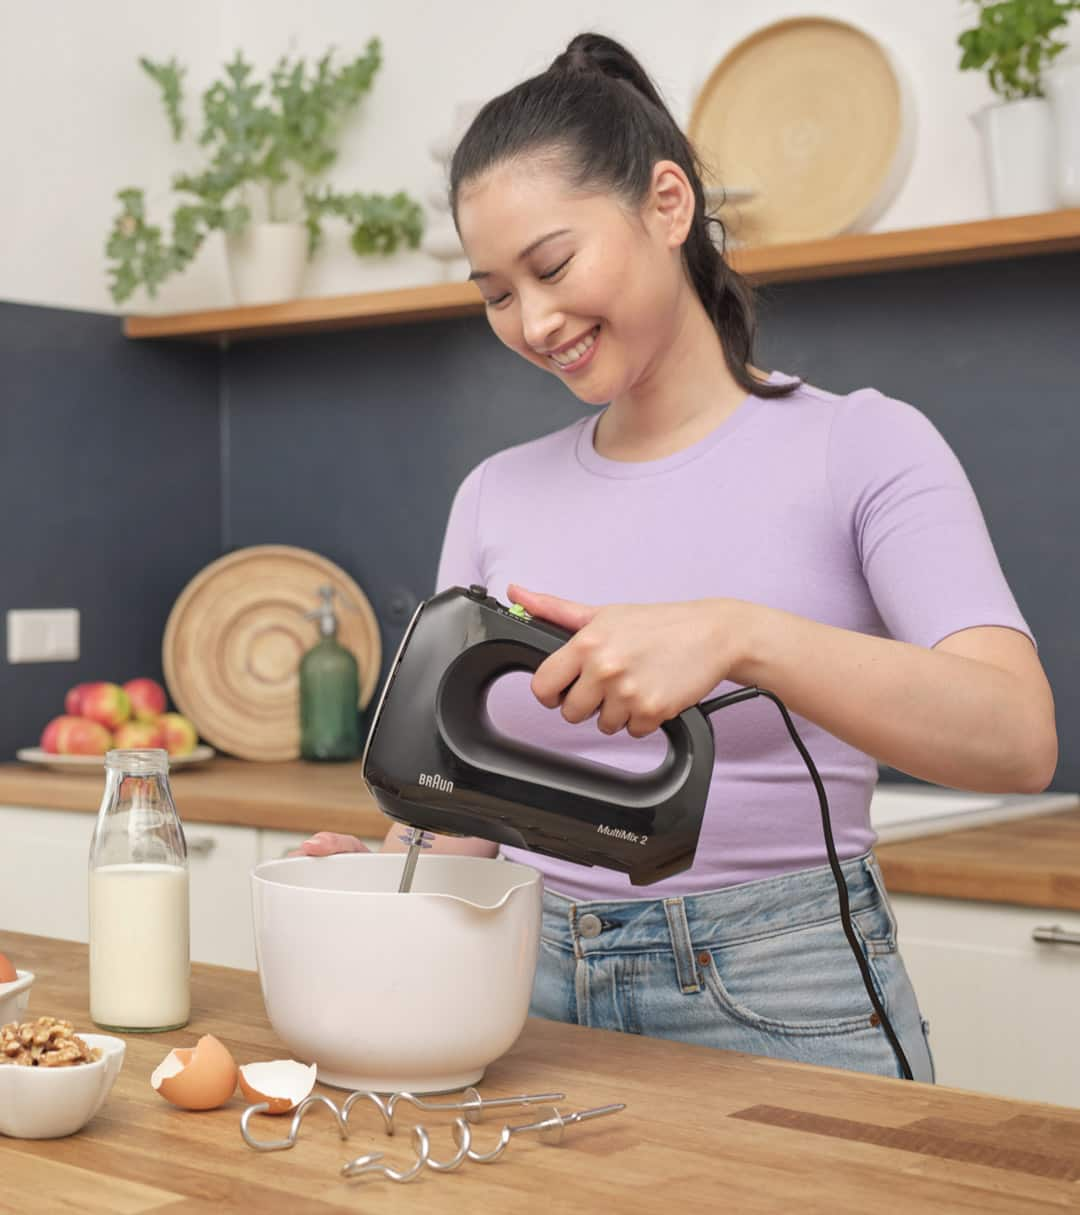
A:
(671, 202)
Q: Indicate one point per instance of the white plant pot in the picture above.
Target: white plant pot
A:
(1017, 140)
(267, 262)
(1063, 89)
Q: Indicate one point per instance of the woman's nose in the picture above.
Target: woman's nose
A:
(540, 323)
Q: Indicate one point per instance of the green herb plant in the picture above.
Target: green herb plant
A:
(277, 136)
(1014, 40)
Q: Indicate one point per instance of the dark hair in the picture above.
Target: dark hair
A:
(596, 114)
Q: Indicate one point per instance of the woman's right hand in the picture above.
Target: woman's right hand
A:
(327, 843)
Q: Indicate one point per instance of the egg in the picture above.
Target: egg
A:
(8, 973)
(280, 1083)
(202, 1078)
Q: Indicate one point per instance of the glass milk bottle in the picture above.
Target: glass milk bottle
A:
(140, 966)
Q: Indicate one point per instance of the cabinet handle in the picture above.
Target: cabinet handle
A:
(201, 847)
(1054, 934)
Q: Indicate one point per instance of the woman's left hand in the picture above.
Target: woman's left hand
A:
(636, 665)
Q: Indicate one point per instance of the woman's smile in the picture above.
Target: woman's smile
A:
(579, 355)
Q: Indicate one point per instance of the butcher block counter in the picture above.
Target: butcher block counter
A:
(1032, 862)
(703, 1130)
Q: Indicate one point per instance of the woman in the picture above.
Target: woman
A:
(715, 526)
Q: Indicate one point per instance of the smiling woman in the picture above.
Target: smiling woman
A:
(711, 526)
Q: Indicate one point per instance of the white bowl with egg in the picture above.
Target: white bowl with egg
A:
(51, 1102)
(15, 996)
(391, 992)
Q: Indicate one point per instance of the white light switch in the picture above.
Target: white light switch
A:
(47, 635)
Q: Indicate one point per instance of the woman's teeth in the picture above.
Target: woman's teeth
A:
(566, 357)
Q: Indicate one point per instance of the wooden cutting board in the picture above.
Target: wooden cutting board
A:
(234, 640)
(811, 115)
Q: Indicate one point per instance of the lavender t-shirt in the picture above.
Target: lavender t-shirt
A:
(849, 510)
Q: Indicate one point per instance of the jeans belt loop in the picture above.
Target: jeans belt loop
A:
(685, 966)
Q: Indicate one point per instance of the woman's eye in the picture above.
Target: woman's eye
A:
(547, 276)
(552, 273)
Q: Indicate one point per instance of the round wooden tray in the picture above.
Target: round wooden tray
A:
(234, 640)
(813, 116)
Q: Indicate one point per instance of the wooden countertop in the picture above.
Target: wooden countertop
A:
(294, 796)
(1032, 862)
(716, 1130)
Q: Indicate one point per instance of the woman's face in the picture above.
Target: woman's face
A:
(573, 282)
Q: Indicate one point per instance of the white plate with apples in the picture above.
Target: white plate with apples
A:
(103, 716)
(81, 763)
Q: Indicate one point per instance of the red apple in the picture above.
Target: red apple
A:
(106, 703)
(83, 736)
(50, 736)
(137, 735)
(73, 700)
(180, 735)
(147, 698)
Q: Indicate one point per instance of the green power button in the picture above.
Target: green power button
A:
(517, 610)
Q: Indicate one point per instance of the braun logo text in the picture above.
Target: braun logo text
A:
(434, 781)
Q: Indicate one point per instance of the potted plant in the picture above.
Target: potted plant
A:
(269, 143)
(1014, 41)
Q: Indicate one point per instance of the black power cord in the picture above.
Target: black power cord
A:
(731, 698)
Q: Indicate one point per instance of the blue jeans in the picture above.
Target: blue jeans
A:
(763, 967)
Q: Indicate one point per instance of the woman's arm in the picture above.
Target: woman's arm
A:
(975, 712)
(329, 843)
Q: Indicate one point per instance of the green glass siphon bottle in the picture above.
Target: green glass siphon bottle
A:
(329, 691)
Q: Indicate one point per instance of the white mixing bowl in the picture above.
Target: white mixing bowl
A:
(391, 992)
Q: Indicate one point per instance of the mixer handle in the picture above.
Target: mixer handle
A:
(466, 727)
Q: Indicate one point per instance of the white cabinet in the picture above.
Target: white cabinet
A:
(43, 861)
(43, 879)
(1003, 1007)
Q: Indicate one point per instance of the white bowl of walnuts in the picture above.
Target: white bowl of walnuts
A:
(53, 1080)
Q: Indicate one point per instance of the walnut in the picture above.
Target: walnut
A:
(46, 1042)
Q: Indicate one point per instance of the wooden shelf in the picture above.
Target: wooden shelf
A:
(843, 256)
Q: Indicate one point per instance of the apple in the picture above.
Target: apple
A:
(82, 736)
(50, 736)
(73, 700)
(147, 697)
(105, 703)
(180, 735)
(137, 735)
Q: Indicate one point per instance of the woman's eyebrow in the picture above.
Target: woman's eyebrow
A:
(478, 274)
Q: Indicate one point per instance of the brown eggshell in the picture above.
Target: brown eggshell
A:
(7, 970)
(281, 1084)
(202, 1078)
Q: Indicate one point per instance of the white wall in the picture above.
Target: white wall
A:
(80, 119)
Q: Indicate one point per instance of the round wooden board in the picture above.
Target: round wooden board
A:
(810, 114)
(234, 640)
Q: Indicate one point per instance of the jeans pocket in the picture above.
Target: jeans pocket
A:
(804, 981)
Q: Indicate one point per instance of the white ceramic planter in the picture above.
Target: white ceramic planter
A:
(389, 992)
(1017, 140)
(1063, 90)
(267, 262)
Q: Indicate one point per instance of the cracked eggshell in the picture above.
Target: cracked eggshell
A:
(280, 1083)
(202, 1078)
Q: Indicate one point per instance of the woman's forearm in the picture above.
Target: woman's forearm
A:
(444, 845)
(936, 715)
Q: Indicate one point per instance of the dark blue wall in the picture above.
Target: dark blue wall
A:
(353, 443)
(110, 493)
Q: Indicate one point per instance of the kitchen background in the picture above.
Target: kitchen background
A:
(126, 466)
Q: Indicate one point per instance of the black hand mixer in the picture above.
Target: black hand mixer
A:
(435, 761)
